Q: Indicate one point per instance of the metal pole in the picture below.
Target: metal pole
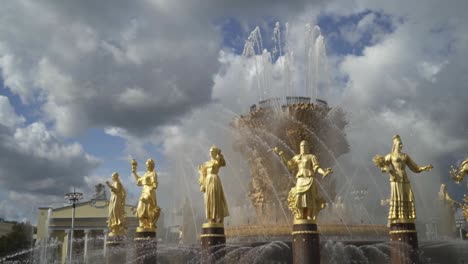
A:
(73, 198)
(71, 234)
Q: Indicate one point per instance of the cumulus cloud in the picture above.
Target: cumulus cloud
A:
(8, 117)
(118, 64)
(34, 160)
(410, 83)
(36, 169)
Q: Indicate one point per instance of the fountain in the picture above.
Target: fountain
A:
(282, 117)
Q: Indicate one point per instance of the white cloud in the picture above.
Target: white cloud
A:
(8, 117)
(36, 161)
(131, 65)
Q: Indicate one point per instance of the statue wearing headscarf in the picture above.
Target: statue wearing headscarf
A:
(402, 209)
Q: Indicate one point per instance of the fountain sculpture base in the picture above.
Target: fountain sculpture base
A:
(213, 240)
(145, 246)
(115, 249)
(404, 239)
(305, 242)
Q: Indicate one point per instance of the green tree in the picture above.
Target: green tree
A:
(18, 239)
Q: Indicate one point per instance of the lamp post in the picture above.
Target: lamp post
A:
(73, 198)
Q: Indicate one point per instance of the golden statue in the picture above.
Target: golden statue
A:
(447, 204)
(147, 210)
(402, 208)
(215, 202)
(304, 199)
(117, 221)
(458, 175)
(465, 208)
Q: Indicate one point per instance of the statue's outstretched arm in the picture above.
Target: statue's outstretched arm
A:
(324, 172)
(112, 188)
(291, 164)
(319, 169)
(415, 168)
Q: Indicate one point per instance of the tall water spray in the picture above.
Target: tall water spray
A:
(275, 70)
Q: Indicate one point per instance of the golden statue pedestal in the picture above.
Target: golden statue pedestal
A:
(212, 240)
(145, 246)
(115, 249)
(404, 239)
(305, 242)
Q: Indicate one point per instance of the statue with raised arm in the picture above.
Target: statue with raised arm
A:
(215, 202)
(402, 208)
(116, 221)
(459, 175)
(304, 199)
(147, 210)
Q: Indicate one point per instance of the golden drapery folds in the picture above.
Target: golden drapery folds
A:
(148, 210)
(402, 208)
(304, 199)
(459, 175)
(116, 221)
(215, 202)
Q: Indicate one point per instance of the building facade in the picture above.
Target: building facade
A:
(90, 227)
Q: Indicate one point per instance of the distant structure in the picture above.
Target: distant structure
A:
(90, 223)
(100, 192)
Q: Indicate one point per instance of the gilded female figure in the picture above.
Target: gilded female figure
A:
(215, 202)
(402, 208)
(304, 199)
(116, 221)
(458, 175)
(147, 209)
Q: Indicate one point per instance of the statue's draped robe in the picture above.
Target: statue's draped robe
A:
(116, 219)
(147, 205)
(307, 194)
(402, 207)
(215, 201)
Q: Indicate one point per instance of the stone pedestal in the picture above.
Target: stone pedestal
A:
(145, 246)
(212, 243)
(115, 250)
(404, 239)
(305, 242)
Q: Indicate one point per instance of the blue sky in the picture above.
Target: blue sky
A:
(98, 84)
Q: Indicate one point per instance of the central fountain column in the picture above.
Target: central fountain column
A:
(404, 239)
(213, 240)
(146, 246)
(305, 242)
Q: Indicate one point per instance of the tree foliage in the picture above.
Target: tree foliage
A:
(19, 238)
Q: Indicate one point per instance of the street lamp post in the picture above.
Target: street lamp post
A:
(73, 198)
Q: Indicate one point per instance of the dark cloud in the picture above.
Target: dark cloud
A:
(34, 161)
(103, 64)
